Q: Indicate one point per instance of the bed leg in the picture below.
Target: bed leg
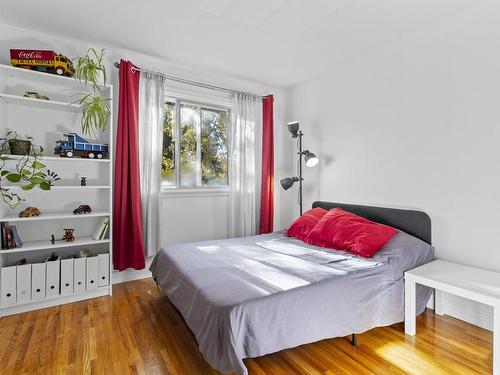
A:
(353, 339)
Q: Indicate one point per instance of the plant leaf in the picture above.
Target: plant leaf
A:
(37, 180)
(38, 165)
(28, 187)
(45, 185)
(13, 177)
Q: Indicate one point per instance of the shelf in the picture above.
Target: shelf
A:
(58, 158)
(54, 216)
(46, 78)
(39, 103)
(54, 301)
(44, 245)
(59, 187)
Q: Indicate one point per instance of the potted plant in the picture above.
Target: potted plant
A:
(27, 173)
(91, 69)
(95, 112)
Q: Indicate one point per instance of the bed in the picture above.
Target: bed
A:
(251, 296)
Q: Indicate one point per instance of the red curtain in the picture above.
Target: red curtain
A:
(128, 247)
(267, 189)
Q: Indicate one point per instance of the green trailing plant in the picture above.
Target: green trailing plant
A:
(90, 68)
(27, 173)
(96, 110)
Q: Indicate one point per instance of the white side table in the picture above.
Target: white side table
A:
(464, 281)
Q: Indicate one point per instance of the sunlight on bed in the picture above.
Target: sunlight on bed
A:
(209, 249)
(238, 257)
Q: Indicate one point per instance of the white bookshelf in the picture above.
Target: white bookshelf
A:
(46, 121)
(39, 103)
(60, 215)
(64, 160)
(47, 245)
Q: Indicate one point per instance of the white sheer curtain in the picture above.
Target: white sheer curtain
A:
(151, 112)
(243, 166)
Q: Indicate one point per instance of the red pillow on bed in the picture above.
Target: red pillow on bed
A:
(342, 230)
(301, 227)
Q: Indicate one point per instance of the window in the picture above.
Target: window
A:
(195, 152)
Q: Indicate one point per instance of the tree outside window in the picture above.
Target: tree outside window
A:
(202, 153)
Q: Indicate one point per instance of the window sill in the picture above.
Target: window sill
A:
(171, 192)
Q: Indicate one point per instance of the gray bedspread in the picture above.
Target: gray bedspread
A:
(252, 296)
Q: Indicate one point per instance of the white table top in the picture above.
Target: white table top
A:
(469, 279)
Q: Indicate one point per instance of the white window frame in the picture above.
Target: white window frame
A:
(178, 190)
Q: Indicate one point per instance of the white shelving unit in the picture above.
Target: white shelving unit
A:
(46, 121)
(39, 103)
(47, 245)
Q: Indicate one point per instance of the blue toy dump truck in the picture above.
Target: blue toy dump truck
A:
(77, 146)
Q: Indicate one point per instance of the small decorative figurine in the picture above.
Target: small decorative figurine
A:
(29, 212)
(82, 209)
(35, 95)
(68, 236)
(83, 181)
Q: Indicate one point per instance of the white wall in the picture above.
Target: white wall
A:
(415, 123)
(185, 218)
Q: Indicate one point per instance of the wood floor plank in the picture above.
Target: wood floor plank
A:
(138, 331)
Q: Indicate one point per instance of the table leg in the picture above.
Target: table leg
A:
(438, 302)
(496, 339)
(410, 307)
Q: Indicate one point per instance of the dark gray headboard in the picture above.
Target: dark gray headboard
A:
(416, 223)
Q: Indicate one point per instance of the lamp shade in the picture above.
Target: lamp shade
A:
(287, 183)
(293, 127)
(310, 159)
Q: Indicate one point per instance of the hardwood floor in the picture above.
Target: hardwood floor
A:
(137, 331)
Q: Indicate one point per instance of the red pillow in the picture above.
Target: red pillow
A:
(342, 230)
(301, 227)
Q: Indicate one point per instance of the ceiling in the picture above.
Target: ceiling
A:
(279, 42)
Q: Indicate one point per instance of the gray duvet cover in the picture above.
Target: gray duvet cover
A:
(252, 296)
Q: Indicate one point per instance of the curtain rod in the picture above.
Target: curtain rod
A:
(194, 83)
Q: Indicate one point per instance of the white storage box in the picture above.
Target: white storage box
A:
(38, 281)
(53, 277)
(92, 272)
(67, 266)
(103, 260)
(8, 285)
(79, 270)
(23, 283)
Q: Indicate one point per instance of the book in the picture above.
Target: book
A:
(100, 228)
(15, 236)
(95, 236)
(10, 239)
(2, 235)
(105, 229)
(105, 234)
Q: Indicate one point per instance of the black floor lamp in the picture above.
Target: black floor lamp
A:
(310, 159)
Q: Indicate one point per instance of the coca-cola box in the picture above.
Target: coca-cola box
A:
(31, 57)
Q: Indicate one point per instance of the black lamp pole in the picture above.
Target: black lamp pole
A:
(300, 170)
(310, 159)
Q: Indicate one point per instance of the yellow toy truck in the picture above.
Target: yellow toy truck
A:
(42, 60)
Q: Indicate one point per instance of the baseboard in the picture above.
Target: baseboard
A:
(131, 274)
(464, 309)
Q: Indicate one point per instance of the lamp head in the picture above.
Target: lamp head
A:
(310, 159)
(293, 127)
(287, 183)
